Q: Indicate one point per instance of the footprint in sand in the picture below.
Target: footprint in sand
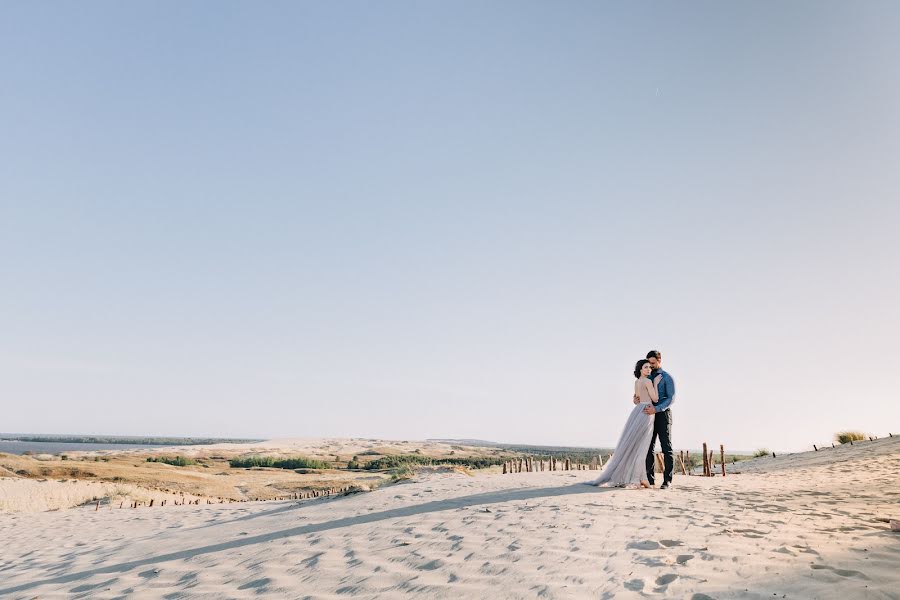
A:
(644, 545)
(635, 585)
(701, 597)
(666, 579)
(432, 565)
(683, 558)
(671, 543)
(149, 574)
(259, 585)
(89, 587)
(841, 572)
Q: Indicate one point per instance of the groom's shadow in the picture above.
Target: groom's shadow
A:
(394, 513)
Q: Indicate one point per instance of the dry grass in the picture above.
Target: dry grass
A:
(849, 436)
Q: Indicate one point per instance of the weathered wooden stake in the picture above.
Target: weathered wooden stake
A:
(814, 448)
(151, 501)
(98, 506)
(722, 451)
(705, 461)
(504, 468)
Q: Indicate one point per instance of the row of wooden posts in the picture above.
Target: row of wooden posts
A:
(530, 464)
(295, 496)
(872, 438)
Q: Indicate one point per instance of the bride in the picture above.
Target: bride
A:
(628, 463)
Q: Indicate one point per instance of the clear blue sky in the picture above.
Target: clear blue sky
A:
(463, 219)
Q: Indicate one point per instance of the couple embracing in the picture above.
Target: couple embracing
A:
(633, 462)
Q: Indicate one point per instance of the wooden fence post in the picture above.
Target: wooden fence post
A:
(722, 451)
(705, 461)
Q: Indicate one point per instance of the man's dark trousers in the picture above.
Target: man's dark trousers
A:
(662, 427)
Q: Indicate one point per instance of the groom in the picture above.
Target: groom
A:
(662, 421)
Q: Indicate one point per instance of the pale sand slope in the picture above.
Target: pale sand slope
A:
(800, 527)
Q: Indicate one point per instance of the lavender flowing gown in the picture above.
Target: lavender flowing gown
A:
(628, 463)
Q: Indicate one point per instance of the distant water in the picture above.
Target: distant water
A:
(17, 447)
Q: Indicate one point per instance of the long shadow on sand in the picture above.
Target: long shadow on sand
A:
(407, 511)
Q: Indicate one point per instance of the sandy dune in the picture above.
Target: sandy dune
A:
(803, 526)
(46, 482)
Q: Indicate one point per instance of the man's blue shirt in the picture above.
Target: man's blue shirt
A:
(665, 390)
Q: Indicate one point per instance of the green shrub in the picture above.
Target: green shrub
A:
(402, 473)
(278, 463)
(176, 461)
(849, 436)
(761, 452)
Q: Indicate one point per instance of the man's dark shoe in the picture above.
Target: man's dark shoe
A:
(665, 486)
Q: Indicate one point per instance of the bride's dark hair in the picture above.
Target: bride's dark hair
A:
(640, 365)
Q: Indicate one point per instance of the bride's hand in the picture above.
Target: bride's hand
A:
(636, 399)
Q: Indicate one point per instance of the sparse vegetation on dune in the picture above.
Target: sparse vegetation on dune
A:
(761, 452)
(277, 463)
(849, 436)
(176, 461)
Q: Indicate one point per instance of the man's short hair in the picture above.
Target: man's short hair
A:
(655, 354)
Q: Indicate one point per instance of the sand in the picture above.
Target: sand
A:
(801, 526)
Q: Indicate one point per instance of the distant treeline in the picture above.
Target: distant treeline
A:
(383, 463)
(278, 463)
(134, 441)
(403, 460)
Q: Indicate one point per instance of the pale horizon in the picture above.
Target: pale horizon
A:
(460, 221)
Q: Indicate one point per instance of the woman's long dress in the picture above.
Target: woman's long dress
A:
(628, 463)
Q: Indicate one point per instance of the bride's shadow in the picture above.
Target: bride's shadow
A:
(485, 498)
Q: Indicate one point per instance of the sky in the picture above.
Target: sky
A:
(414, 220)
